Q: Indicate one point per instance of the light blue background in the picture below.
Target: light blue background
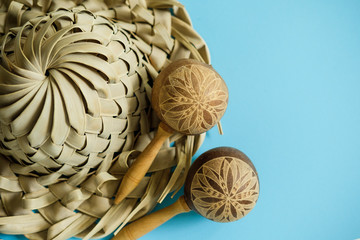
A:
(293, 71)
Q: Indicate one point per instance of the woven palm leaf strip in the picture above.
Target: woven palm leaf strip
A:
(75, 82)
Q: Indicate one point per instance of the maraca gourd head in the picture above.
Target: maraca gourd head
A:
(222, 185)
(189, 96)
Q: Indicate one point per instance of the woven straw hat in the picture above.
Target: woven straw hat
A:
(75, 84)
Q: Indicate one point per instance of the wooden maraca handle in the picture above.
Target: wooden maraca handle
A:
(148, 223)
(142, 163)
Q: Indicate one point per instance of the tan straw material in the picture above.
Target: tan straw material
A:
(75, 84)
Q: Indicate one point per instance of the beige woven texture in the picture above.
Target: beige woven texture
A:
(75, 84)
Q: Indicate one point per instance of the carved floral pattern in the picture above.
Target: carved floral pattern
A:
(224, 189)
(194, 99)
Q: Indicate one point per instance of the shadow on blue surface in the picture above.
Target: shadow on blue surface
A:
(292, 68)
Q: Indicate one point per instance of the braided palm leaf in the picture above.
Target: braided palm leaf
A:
(75, 84)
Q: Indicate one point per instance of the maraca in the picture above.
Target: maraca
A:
(189, 97)
(222, 185)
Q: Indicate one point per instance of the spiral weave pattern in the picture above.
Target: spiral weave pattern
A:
(75, 87)
(70, 97)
